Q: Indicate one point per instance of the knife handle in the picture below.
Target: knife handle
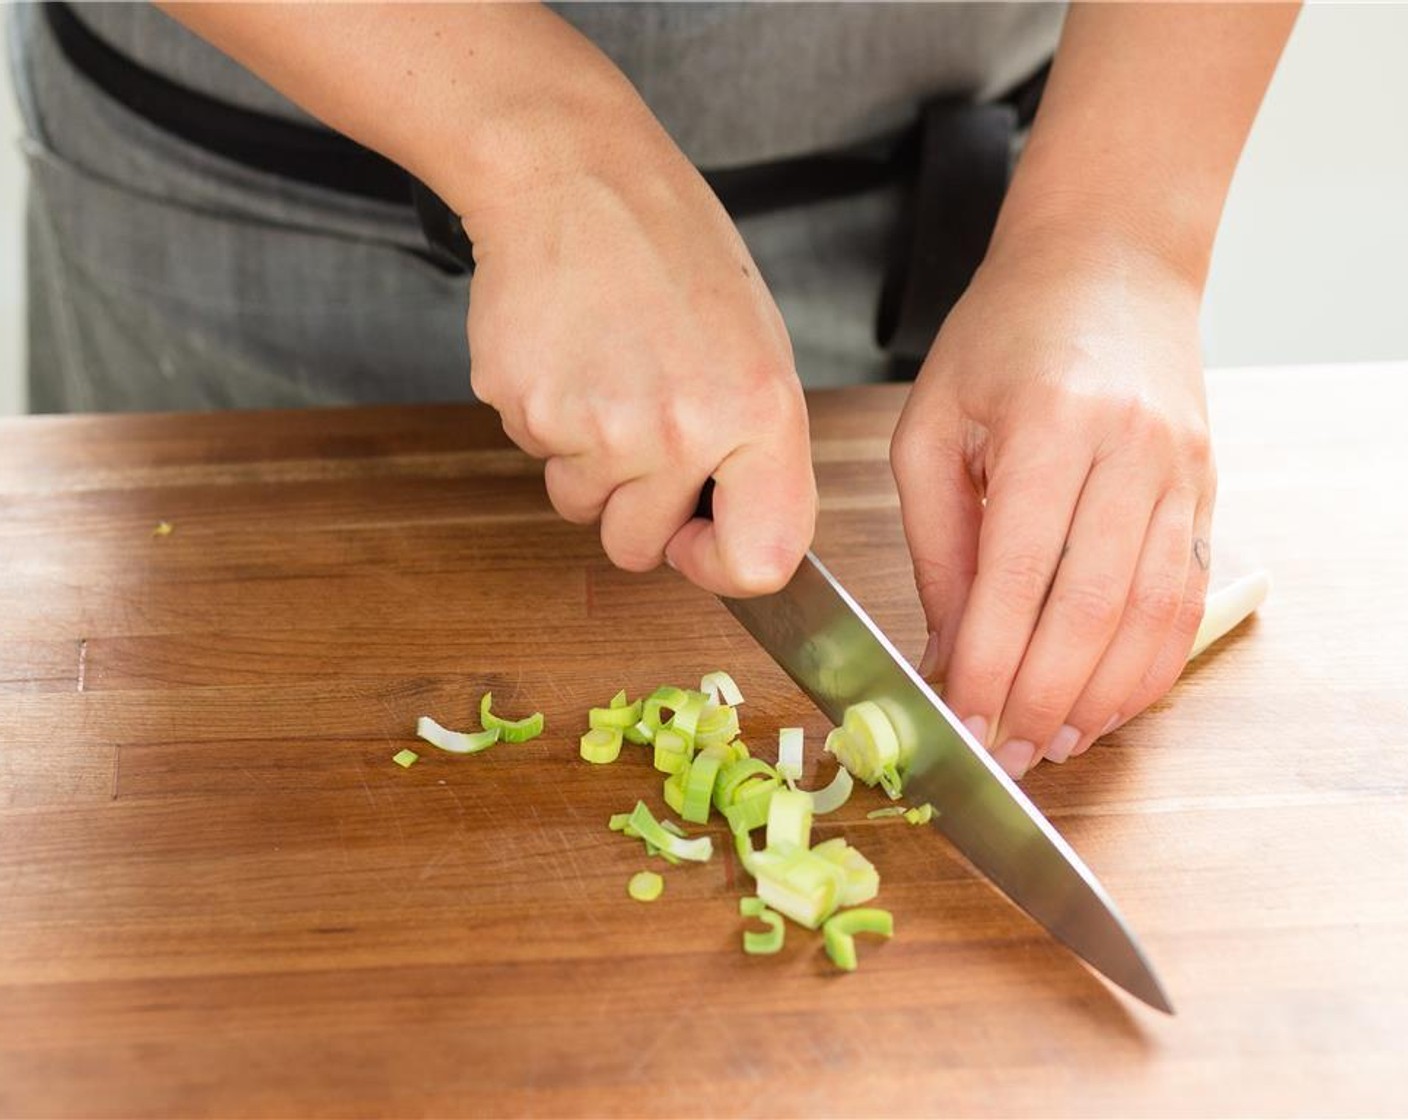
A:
(705, 506)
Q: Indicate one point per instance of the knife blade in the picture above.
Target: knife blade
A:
(838, 656)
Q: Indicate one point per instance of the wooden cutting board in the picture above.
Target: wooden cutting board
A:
(219, 896)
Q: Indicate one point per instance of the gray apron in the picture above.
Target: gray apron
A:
(164, 277)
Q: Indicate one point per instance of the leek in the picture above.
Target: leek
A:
(717, 726)
(512, 730)
(888, 811)
(456, 742)
(405, 758)
(645, 886)
(765, 944)
(795, 882)
(699, 788)
(672, 753)
(834, 795)
(719, 686)
(840, 932)
(789, 820)
(601, 745)
(923, 814)
(674, 790)
(699, 849)
(619, 717)
(789, 752)
(860, 881)
(750, 907)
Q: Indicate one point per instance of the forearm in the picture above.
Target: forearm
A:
(1141, 127)
(477, 100)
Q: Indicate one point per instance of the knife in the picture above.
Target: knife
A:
(837, 655)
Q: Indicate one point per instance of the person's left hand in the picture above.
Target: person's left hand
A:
(1057, 484)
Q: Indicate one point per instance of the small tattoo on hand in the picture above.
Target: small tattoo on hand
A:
(1202, 553)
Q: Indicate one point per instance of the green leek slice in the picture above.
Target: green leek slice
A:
(512, 730)
(789, 752)
(674, 790)
(698, 849)
(835, 794)
(601, 745)
(619, 822)
(750, 809)
(789, 820)
(666, 697)
(699, 789)
(720, 725)
(887, 811)
(797, 883)
(765, 944)
(719, 687)
(405, 758)
(456, 742)
(672, 753)
(640, 734)
(860, 880)
(923, 814)
(734, 774)
(620, 718)
(750, 907)
(619, 700)
(688, 715)
(645, 886)
(674, 829)
(840, 932)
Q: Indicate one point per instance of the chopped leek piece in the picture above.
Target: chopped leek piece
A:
(688, 715)
(833, 796)
(699, 789)
(921, 815)
(163, 529)
(717, 726)
(865, 743)
(750, 811)
(804, 886)
(698, 849)
(456, 742)
(645, 886)
(734, 774)
(719, 686)
(861, 882)
(619, 700)
(750, 907)
(601, 745)
(888, 811)
(618, 822)
(891, 782)
(789, 752)
(674, 790)
(744, 847)
(405, 758)
(764, 944)
(512, 730)
(620, 718)
(671, 826)
(841, 930)
(666, 697)
(789, 820)
(640, 734)
(672, 753)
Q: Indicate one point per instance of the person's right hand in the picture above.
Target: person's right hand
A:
(620, 328)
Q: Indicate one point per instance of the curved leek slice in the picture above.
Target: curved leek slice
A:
(789, 820)
(699, 789)
(743, 846)
(674, 829)
(672, 753)
(512, 730)
(764, 944)
(674, 790)
(640, 734)
(719, 686)
(645, 886)
(734, 774)
(405, 758)
(619, 700)
(923, 814)
(789, 752)
(834, 795)
(699, 849)
(750, 907)
(887, 811)
(666, 697)
(456, 742)
(839, 933)
(750, 807)
(601, 745)
(619, 822)
(620, 717)
(865, 743)
(688, 715)
(720, 725)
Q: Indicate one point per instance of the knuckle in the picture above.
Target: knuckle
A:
(1090, 607)
(1156, 605)
(1022, 578)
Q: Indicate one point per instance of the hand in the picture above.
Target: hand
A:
(1057, 486)
(621, 329)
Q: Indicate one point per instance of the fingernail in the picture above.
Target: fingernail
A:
(1015, 756)
(1086, 743)
(977, 727)
(929, 662)
(670, 562)
(1062, 743)
(1114, 722)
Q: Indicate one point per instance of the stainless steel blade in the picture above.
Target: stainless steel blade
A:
(838, 656)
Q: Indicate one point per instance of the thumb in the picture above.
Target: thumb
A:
(942, 513)
(764, 515)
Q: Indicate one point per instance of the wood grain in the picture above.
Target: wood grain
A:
(219, 897)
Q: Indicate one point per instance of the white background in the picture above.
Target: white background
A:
(1312, 260)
